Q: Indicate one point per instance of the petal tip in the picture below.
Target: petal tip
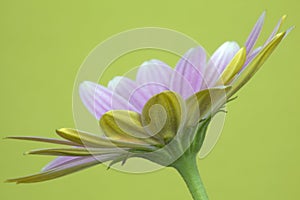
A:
(283, 17)
(10, 181)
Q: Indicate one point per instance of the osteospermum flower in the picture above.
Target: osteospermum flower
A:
(161, 116)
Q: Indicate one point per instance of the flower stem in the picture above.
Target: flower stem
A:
(187, 168)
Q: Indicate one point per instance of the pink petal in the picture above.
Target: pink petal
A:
(154, 71)
(59, 161)
(191, 69)
(144, 92)
(181, 85)
(98, 99)
(252, 38)
(136, 94)
(123, 86)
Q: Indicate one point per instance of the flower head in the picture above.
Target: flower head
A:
(161, 115)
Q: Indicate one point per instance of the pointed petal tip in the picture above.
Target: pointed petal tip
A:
(234, 66)
(279, 36)
(243, 53)
(11, 137)
(63, 131)
(283, 17)
(16, 181)
(10, 181)
(243, 50)
(257, 62)
(263, 15)
(60, 130)
(289, 30)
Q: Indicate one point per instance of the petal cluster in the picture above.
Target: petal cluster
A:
(162, 108)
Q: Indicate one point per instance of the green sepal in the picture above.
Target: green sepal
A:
(199, 137)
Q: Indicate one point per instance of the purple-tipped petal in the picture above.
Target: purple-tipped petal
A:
(191, 67)
(154, 71)
(218, 62)
(98, 99)
(252, 38)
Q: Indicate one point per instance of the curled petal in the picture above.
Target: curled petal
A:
(123, 125)
(163, 115)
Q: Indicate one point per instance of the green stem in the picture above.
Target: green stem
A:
(187, 168)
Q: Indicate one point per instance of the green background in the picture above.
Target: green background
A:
(43, 44)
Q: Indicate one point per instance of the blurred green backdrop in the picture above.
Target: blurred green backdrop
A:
(43, 44)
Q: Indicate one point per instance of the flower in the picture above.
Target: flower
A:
(161, 116)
